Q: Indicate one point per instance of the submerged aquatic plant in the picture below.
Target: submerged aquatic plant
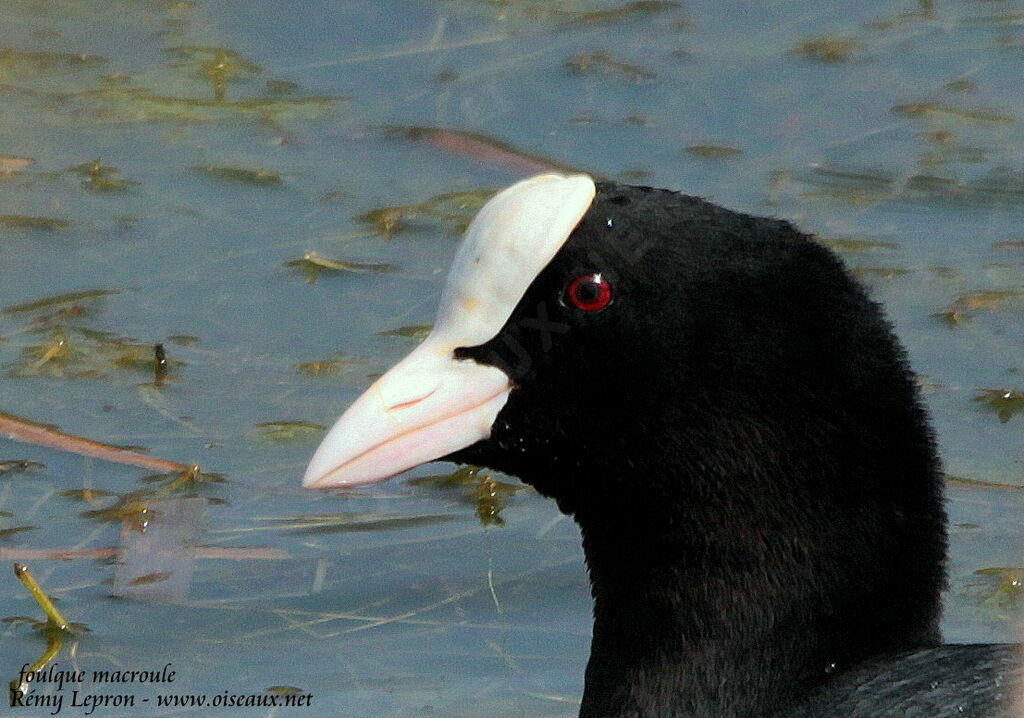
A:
(99, 177)
(11, 165)
(713, 152)
(352, 521)
(288, 431)
(477, 488)
(1006, 403)
(19, 466)
(602, 62)
(243, 175)
(417, 332)
(325, 367)
(1008, 588)
(829, 48)
(312, 265)
(60, 301)
(857, 245)
(455, 208)
(24, 221)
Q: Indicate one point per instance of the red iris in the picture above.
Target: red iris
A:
(589, 292)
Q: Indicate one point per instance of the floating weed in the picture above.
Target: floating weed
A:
(463, 476)
(85, 354)
(59, 301)
(161, 364)
(638, 121)
(29, 222)
(829, 48)
(6, 533)
(130, 104)
(131, 510)
(883, 273)
(961, 84)
(325, 368)
(1006, 403)
(945, 272)
(968, 483)
(1010, 588)
(50, 358)
(209, 52)
(188, 480)
(938, 137)
(629, 11)
(987, 299)
(183, 340)
(1010, 18)
(931, 184)
(1000, 186)
(218, 66)
(388, 221)
(713, 152)
(287, 432)
(346, 522)
(284, 690)
(88, 495)
(417, 332)
(241, 175)
(143, 357)
(966, 305)
(927, 385)
(281, 87)
(929, 109)
(333, 195)
(100, 177)
(888, 23)
(952, 317)
(857, 245)
(19, 466)
(634, 175)
(867, 179)
(11, 165)
(312, 264)
(150, 578)
(488, 495)
(458, 208)
(602, 62)
(1009, 245)
(16, 64)
(1004, 273)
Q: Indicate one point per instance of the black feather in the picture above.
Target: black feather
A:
(741, 441)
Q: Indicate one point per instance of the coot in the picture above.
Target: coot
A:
(733, 425)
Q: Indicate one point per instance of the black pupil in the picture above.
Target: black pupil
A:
(588, 291)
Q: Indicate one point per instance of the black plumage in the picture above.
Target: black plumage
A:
(741, 441)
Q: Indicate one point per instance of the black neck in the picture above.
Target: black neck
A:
(706, 609)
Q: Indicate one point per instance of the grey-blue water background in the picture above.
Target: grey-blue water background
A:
(233, 138)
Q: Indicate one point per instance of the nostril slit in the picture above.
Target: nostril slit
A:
(411, 402)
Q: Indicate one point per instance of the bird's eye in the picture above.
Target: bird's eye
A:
(589, 292)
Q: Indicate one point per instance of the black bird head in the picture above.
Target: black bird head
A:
(711, 395)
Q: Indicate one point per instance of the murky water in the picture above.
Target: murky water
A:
(235, 138)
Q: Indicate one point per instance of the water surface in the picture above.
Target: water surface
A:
(234, 138)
